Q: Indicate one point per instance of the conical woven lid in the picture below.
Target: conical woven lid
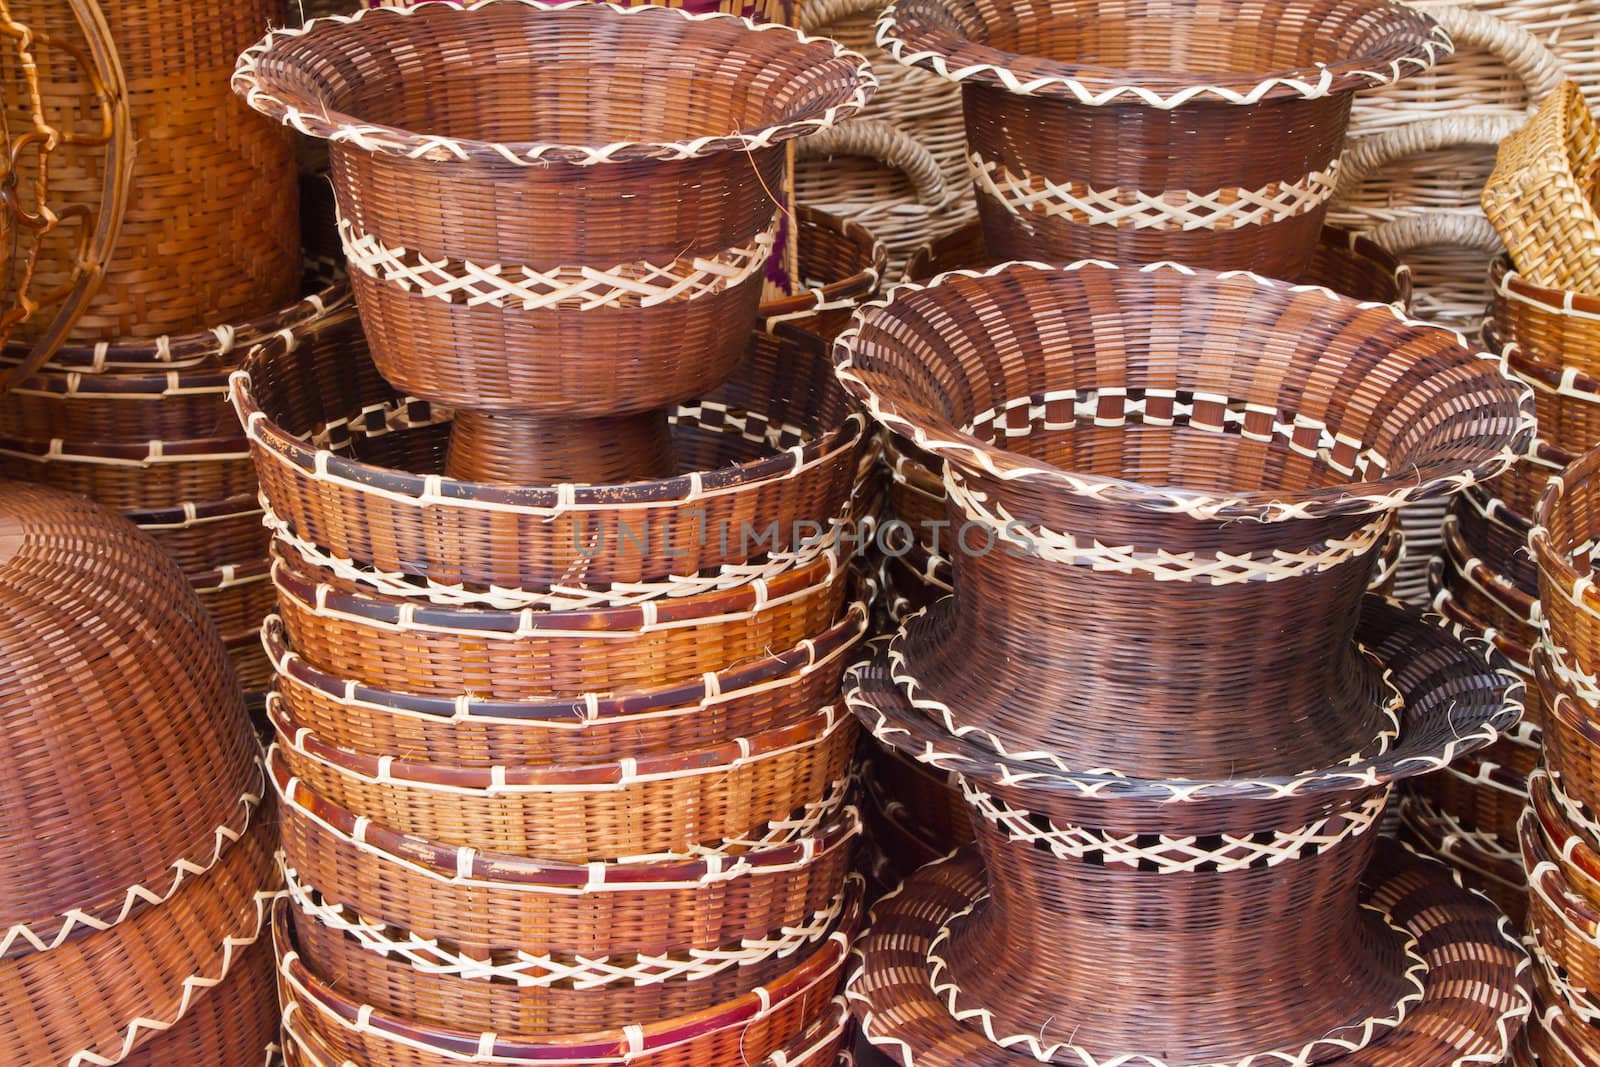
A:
(125, 749)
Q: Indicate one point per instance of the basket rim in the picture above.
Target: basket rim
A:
(837, 294)
(1457, 616)
(1543, 807)
(318, 121)
(813, 971)
(1511, 285)
(190, 512)
(807, 656)
(545, 501)
(918, 41)
(885, 712)
(506, 871)
(960, 448)
(1554, 563)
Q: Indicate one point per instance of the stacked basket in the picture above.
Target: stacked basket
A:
(133, 409)
(1174, 721)
(563, 602)
(1559, 835)
(135, 831)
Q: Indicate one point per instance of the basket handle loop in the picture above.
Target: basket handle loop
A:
(1365, 157)
(885, 142)
(815, 15)
(1524, 55)
(1430, 229)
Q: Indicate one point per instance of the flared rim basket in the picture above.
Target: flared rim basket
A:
(1450, 709)
(1363, 44)
(813, 976)
(1475, 428)
(1513, 286)
(281, 78)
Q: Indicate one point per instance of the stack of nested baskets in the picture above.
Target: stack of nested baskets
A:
(133, 409)
(136, 832)
(1560, 831)
(563, 602)
(1174, 714)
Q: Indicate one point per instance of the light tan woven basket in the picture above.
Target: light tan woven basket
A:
(1544, 194)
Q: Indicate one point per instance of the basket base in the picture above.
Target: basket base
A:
(534, 450)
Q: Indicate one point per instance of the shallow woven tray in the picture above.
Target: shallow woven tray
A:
(489, 901)
(1477, 983)
(778, 444)
(1106, 458)
(399, 644)
(475, 731)
(669, 804)
(742, 1030)
(1542, 196)
(1202, 137)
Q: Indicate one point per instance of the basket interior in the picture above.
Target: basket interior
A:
(1208, 383)
(517, 74)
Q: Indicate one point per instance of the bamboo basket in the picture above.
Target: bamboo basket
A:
(840, 264)
(1551, 327)
(1039, 445)
(211, 231)
(1497, 535)
(1562, 540)
(1543, 192)
(1572, 731)
(483, 901)
(134, 476)
(349, 465)
(1482, 860)
(1484, 794)
(1055, 96)
(236, 596)
(745, 1029)
(232, 1025)
(400, 645)
(473, 731)
(1486, 593)
(640, 226)
(205, 536)
(1518, 656)
(671, 804)
(1565, 924)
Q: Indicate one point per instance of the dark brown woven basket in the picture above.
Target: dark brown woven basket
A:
(127, 754)
(1496, 534)
(1571, 725)
(841, 264)
(640, 226)
(210, 234)
(484, 901)
(1553, 327)
(1475, 998)
(745, 1029)
(415, 647)
(1556, 1037)
(474, 731)
(236, 596)
(1563, 922)
(1255, 876)
(228, 1026)
(1158, 131)
(1484, 862)
(1486, 792)
(107, 407)
(206, 535)
(1194, 521)
(768, 458)
(1487, 593)
(669, 804)
(134, 476)
(1518, 657)
(1554, 814)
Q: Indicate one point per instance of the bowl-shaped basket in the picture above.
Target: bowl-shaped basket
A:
(1570, 705)
(1161, 131)
(134, 476)
(1486, 593)
(474, 731)
(407, 646)
(1562, 920)
(487, 902)
(1565, 526)
(669, 804)
(1259, 871)
(743, 1030)
(203, 535)
(767, 460)
(1486, 792)
(554, 210)
(1147, 465)
(1496, 534)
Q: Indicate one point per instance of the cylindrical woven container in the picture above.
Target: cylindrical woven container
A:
(473, 731)
(1218, 876)
(767, 460)
(1496, 534)
(1564, 923)
(1483, 861)
(1138, 134)
(742, 1030)
(482, 901)
(1568, 702)
(211, 229)
(671, 804)
(408, 646)
(1100, 475)
(230, 1025)
(841, 264)
(1487, 594)
(620, 168)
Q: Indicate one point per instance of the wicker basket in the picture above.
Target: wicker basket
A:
(745, 1029)
(1518, 656)
(1552, 327)
(1565, 527)
(1497, 535)
(1486, 593)
(670, 804)
(210, 233)
(641, 226)
(841, 264)
(1237, 118)
(779, 444)
(1565, 923)
(1544, 194)
(1569, 703)
(1483, 794)
(205, 536)
(1483, 861)
(472, 731)
(1035, 458)
(231, 1025)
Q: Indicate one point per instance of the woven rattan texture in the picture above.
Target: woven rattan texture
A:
(211, 233)
(229, 1025)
